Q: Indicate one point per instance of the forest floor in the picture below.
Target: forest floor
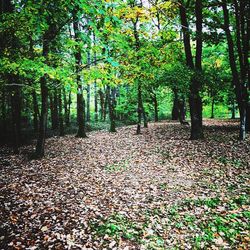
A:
(157, 190)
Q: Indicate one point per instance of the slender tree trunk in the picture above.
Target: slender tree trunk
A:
(212, 111)
(102, 104)
(175, 109)
(54, 110)
(145, 119)
(16, 117)
(88, 103)
(60, 106)
(182, 111)
(156, 116)
(88, 91)
(35, 111)
(4, 116)
(95, 86)
(240, 88)
(80, 99)
(139, 108)
(195, 101)
(233, 110)
(111, 105)
(69, 110)
(65, 106)
(44, 109)
(105, 104)
(248, 118)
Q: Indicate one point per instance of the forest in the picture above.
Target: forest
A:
(124, 124)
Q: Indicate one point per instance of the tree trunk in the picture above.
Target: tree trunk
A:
(54, 110)
(233, 110)
(96, 102)
(4, 116)
(240, 87)
(35, 111)
(16, 117)
(65, 106)
(44, 112)
(212, 111)
(88, 103)
(61, 123)
(102, 104)
(175, 109)
(248, 118)
(111, 105)
(156, 116)
(182, 111)
(139, 108)
(195, 102)
(40, 145)
(145, 119)
(105, 104)
(80, 99)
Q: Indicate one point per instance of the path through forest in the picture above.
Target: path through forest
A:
(103, 191)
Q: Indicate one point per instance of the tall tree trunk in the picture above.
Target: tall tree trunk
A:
(95, 85)
(16, 117)
(80, 99)
(4, 116)
(145, 119)
(61, 123)
(88, 90)
(54, 109)
(175, 109)
(88, 103)
(156, 116)
(195, 101)
(111, 105)
(212, 107)
(35, 111)
(182, 110)
(105, 104)
(44, 109)
(139, 108)
(101, 94)
(240, 88)
(233, 110)
(65, 106)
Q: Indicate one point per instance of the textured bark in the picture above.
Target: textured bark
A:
(195, 102)
(175, 109)
(238, 82)
(35, 112)
(61, 120)
(80, 99)
(16, 117)
(101, 94)
(111, 105)
(212, 108)
(156, 116)
(139, 108)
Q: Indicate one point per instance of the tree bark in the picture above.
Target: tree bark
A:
(139, 108)
(195, 101)
(102, 104)
(35, 112)
(156, 116)
(212, 106)
(240, 87)
(60, 106)
(111, 105)
(80, 99)
(16, 117)
(175, 109)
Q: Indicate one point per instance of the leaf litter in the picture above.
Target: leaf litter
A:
(157, 190)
